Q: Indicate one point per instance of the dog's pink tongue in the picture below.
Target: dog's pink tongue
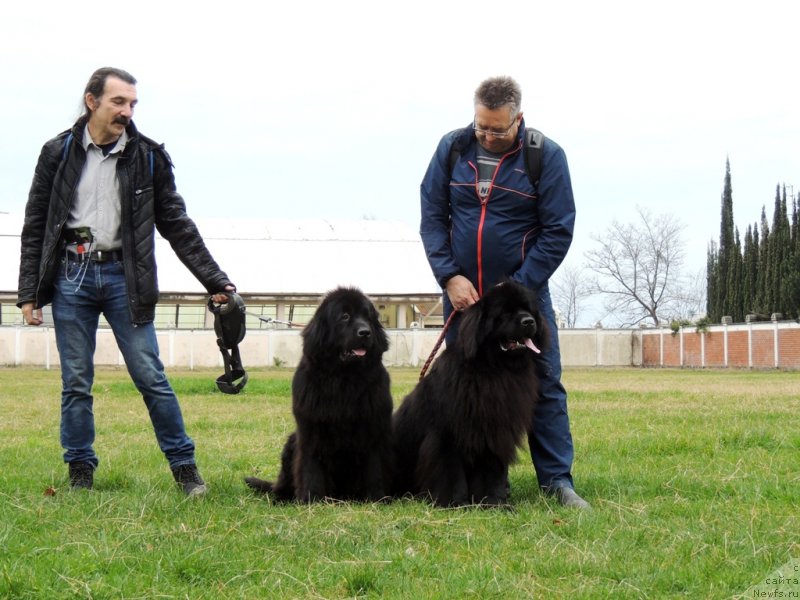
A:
(360, 352)
(529, 343)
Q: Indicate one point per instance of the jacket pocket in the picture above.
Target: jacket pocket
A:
(142, 196)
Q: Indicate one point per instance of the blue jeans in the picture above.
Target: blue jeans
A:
(550, 438)
(80, 298)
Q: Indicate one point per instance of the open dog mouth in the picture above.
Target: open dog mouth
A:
(510, 345)
(353, 354)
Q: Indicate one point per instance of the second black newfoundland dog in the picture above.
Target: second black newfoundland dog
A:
(342, 405)
(457, 432)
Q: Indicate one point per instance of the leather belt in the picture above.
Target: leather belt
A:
(99, 256)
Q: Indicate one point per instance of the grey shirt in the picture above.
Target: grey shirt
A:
(487, 165)
(98, 196)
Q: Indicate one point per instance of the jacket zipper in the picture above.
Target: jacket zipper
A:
(484, 202)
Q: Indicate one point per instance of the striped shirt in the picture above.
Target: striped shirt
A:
(487, 165)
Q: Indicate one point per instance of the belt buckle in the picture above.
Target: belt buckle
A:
(100, 256)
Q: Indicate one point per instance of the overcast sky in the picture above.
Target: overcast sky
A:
(333, 109)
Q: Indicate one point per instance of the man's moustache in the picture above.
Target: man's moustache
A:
(122, 121)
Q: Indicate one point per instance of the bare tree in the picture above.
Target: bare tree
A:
(638, 267)
(569, 288)
(690, 298)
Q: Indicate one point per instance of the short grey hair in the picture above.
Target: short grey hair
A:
(499, 91)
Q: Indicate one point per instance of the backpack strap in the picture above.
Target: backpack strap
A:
(532, 149)
(65, 149)
(455, 152)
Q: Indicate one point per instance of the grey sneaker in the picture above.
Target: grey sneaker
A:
(81, 476)
(188, 477)
(566, 496)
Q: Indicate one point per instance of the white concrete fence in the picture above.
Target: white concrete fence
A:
(196, 349)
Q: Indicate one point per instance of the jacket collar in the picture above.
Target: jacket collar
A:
(130, 130)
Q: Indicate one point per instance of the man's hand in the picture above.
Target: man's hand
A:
(222, 298)
(30, 315)
(461, 292)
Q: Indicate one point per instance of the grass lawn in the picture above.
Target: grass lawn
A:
(694, 477)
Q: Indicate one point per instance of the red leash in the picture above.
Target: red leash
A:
(436, 346)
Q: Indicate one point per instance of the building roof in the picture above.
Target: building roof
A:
(278, 257)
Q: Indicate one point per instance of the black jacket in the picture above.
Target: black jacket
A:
(149, 200)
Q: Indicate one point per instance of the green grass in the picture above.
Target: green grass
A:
(694, 477)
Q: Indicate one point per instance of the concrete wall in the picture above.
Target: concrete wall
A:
(754, 345)
(193, 349)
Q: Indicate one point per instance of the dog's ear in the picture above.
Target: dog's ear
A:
(316, 333)
(470, 335)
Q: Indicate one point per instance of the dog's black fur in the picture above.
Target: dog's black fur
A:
(457, 432)
(342, 406)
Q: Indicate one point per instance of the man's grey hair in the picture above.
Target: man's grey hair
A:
(499, 91)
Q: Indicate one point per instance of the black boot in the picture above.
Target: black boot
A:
(188, 477)
(81, 475)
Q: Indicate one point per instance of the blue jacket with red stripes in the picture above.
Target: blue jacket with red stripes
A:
(516, 232)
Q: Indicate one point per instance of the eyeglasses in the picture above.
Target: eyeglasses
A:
(493, 133)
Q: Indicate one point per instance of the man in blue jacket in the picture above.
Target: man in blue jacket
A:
(484, 220)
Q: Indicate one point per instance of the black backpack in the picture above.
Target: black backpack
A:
(531, 148)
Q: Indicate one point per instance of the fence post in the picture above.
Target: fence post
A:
(702, 348)
(775, 340)
(725, 343)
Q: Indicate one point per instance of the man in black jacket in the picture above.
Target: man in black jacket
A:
(99, 192)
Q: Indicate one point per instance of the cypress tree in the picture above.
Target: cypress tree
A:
(750, 269)
(762, 274)
(764, 298)
(713, 311)
(777, 252)
(727, 247)
(734, 300)
(790, 270)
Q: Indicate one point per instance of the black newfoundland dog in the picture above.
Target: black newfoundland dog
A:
(457, 432)
(342, 405)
